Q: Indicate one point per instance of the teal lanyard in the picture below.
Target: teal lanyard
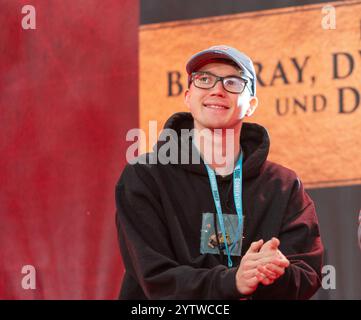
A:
(237, 194)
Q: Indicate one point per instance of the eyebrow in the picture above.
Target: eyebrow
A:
(231, 75)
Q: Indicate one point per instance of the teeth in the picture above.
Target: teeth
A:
(215, 106)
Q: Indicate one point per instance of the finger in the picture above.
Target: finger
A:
(270, 245)
(268, 273)
(264, 280)
(278, 260)
(253, 264)
(255, 246)
(249, 273)
(281, 263)
(261, 254)
(260, 276)
(268, 259)
(252, 282)
(279, 271)
(284, 262)
(283, 257)
(267, 281)
(274, 243)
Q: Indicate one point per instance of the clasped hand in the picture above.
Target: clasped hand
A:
(263, 263)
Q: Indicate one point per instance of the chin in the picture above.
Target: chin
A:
(214, 122)
(216, 125)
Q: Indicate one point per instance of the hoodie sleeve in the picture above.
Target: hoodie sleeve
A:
(300, 242)
(147, 250)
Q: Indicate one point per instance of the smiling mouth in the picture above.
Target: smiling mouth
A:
(215, 106)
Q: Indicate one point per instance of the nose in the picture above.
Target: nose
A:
(218, 90)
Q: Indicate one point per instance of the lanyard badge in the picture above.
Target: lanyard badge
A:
(237, 194)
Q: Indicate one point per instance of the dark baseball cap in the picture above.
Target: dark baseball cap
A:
(228, 53)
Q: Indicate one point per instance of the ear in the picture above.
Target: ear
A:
(253, 103)
(186, 97)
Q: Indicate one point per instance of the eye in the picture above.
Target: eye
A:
(204, 78)
(232, 81)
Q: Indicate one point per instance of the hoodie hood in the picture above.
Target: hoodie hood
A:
(254, 142)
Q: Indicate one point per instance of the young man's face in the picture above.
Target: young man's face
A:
(203, 102)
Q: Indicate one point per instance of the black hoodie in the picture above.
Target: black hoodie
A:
(159, 217)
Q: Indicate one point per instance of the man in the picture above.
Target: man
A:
(242, 227)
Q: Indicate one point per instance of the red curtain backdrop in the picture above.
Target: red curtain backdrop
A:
(68, 95)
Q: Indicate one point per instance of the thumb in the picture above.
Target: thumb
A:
(255, 246)
(274, 243)
(271, 244)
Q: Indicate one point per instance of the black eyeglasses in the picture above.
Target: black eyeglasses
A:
(207, 80)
